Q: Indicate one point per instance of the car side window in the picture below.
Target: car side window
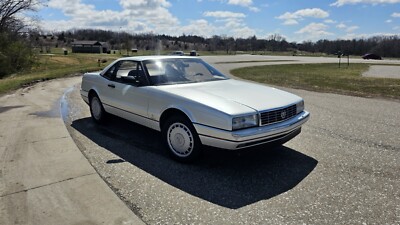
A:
(125, 68)
(130, 72)
(110, 72)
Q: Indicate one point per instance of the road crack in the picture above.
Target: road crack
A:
(46, 185)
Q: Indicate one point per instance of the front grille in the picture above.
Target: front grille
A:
(278, 115)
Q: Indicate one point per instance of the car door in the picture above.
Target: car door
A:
(127, 92)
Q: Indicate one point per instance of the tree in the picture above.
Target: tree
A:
(15, 49)
(9, 9)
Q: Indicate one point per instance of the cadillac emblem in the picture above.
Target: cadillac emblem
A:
(283, 115)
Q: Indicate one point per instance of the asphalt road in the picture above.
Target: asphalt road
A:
(342, 169)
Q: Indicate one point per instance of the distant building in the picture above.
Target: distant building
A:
(89, 47)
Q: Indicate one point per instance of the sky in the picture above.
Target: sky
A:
(295, 20)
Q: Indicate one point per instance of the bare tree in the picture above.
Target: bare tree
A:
(9, 9)
(16, 52)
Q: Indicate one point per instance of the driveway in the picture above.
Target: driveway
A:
(44, 178)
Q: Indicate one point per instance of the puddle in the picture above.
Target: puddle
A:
(59, 108)
(64, 106)
(52, 113)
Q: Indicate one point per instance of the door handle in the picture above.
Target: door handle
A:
(111, 85)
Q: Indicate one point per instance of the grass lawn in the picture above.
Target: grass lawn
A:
(323, 78)
(52, 66)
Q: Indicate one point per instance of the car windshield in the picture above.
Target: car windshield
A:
(181, 70)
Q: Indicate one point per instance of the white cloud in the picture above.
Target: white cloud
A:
(143, 16)
(351, 29)
(396, 15)
(290, 22)
(223, 14)
(341, 26)
(153, 13)
(137, 16)
(352, 36)
(244, 32)
(314, 12)
(84, 15)
(230, 23)
(244, 3)
(71, 7)
(254, 9)
(315, 30)
(143, 4)
(389, 21)
(339, 3)
(330, 21)
(348, 29)
(292, 18)
(240, 2)
(199, 27)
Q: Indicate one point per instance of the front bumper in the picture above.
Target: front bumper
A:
(253, 136)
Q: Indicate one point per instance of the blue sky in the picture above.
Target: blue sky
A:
(296, 20)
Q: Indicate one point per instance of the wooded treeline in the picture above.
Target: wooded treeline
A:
(385, 46)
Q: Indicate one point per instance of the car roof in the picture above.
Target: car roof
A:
(155, 57)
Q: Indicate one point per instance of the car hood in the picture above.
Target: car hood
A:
(233, 96)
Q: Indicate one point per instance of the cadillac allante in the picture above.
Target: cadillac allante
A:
(192, 104)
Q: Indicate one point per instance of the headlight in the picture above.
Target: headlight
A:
(300, 107)
(244, 122)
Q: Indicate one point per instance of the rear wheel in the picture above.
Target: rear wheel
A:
(96, 110)
(181, 139)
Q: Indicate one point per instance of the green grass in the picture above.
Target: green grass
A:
(323, 78)
(54, 66)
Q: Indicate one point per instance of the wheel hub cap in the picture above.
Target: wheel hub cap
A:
(180, 139)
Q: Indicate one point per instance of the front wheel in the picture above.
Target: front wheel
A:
(96, 110)
(181, 139)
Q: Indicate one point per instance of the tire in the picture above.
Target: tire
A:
(97, 110)
(181, 139)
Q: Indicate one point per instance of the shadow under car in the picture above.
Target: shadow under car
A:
(232, 179)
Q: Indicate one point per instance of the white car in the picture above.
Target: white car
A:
(192, 104)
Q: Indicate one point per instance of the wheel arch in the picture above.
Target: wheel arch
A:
(179, 150)
(92, 93)
(168, 113)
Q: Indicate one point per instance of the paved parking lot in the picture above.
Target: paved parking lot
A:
(342, 169)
